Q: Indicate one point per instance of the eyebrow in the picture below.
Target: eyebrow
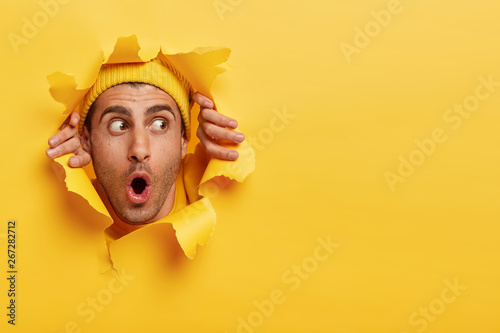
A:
(126, 112)
(115, 109)
(160, 107)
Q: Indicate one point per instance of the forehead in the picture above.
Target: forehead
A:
(135, 94)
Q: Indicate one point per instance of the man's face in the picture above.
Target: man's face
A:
(136, 147)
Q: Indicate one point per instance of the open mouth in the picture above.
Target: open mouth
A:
(138, 187)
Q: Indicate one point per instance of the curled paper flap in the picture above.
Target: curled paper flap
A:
(237, 170)
(200, 67)
(127, 50)
(193, 224)
(78, 182)
(207, 60)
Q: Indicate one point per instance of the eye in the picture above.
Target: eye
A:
(118, 126)
(159, 125)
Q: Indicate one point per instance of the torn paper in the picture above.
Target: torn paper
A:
(194, 223)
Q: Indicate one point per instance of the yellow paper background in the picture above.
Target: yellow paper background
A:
(319, 173)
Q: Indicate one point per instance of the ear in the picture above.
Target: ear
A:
(184, 144)
(85, 140)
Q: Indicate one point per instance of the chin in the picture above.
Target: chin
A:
(138, 216)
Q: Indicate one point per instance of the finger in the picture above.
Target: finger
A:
(66, 133)
(217, 118)
(81, 159)
(74, 118)
(214, 149)
(221, 133)
(203, 100)
(64, 148)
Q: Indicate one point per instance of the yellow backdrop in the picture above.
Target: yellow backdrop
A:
(373, 205)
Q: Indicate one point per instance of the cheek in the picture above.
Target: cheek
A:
(166, 150)
(106, 150)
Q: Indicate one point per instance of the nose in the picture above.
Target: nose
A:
(139, 150)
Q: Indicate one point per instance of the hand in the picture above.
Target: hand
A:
(213, 127)
(68, 141)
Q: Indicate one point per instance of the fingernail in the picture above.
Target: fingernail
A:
(233, 124)
(240, 138)
(233, 155)
(51, 153)
(53, 141)
(72, 161)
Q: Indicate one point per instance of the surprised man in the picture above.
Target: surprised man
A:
(134, 124)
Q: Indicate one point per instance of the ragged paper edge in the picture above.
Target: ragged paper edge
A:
(195, 226)
(200, 66)
(236, 170)
(78, 182)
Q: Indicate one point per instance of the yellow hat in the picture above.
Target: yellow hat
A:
(155, 72)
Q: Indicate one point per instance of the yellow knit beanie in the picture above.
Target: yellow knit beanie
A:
(156, 72)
